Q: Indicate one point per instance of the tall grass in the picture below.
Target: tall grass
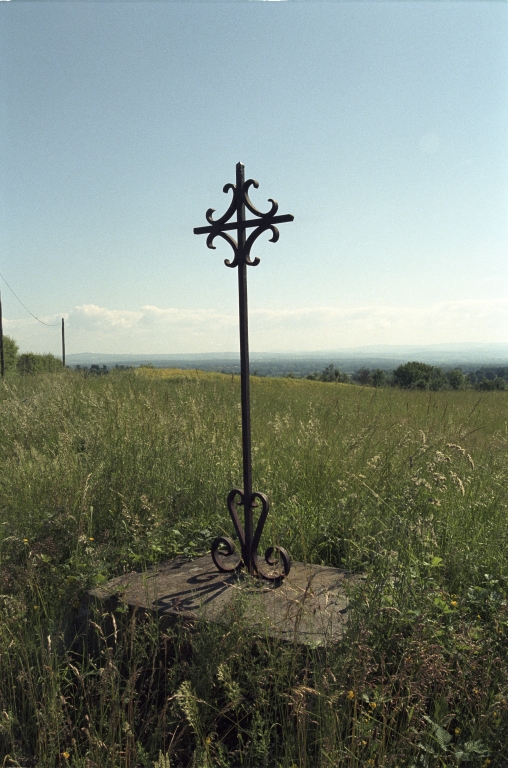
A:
(100, 476)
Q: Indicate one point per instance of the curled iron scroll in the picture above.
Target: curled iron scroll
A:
(230, 211)
(264, 223)
(223, 548)
(252, 208)
(283, 560)
(254, 236)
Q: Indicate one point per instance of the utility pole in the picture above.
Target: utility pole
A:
(63, 342)
(2, 359)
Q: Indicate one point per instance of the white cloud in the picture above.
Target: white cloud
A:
(150, 329)
(91, 314)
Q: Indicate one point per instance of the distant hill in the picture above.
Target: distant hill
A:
(387, 357)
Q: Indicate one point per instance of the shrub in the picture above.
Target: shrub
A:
(10, 353)
(29, 363)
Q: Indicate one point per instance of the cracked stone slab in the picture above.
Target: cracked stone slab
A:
(310, 606)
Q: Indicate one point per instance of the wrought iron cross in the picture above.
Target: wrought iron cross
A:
(249, 539)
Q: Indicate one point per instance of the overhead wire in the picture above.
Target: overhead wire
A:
(50, 325)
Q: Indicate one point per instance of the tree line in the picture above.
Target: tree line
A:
(28, 362)
(415, 375)
(412, 375)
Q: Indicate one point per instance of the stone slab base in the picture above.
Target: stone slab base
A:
(310, 606)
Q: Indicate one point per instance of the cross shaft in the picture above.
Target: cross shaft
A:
(223, 547)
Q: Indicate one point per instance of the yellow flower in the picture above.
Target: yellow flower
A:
(25, 541)
(66, 755)
(351, 695)
(91, 538)
(454, 603)
(373, 705)
(457, 731)
(475, 690)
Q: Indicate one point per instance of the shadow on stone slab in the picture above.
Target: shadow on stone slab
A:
(310, 606)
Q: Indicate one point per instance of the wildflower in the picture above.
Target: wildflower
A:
(351, 695)
(66, 755)
(35, 607)
(475, 690)
(456, 479)
(457, 447)
(373, 705)
(91, 538)
(25, 541)
(457, 731)
(454, 603)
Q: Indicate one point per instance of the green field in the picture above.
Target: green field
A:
(104, 475)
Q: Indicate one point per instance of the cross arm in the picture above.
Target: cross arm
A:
(249, 223)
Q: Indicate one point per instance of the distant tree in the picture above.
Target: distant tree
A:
(27, 363)
(486, 385)
(97, 370)
(456, 379)
(438, 380)
(329, 373)
(491, 384)
(11, 350)
(417, 375)
(378, 378)
(30, 363)
(411, 375)
(363, 376)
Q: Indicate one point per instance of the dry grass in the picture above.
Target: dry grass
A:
(103, 475)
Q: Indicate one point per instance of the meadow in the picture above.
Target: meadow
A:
(100, 476)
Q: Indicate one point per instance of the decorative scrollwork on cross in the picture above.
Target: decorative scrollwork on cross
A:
(223, 548)
(239, 202)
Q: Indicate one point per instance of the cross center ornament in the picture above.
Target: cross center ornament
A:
(223, 548)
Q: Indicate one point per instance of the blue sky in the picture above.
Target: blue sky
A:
(382, 127)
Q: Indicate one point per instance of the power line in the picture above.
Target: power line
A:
(50, 325)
